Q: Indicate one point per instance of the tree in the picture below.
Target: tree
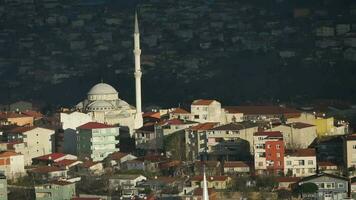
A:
(306, 189)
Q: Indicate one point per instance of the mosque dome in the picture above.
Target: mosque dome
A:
(102, 91)
(102, 88)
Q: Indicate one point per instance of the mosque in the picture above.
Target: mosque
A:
(104, 105)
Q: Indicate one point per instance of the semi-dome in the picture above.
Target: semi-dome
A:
(102, 88)
(100, 106)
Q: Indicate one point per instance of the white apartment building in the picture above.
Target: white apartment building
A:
(37, 141)
(300, 162)
(12, 164)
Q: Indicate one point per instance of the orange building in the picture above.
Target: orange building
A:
(16, 118)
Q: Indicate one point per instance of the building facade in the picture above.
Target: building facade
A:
(96, 141)
(269, 152)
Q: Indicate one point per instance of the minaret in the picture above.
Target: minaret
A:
(205, 187)
(138, 75)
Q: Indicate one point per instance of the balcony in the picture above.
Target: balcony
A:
(105, 134)
(104, 142)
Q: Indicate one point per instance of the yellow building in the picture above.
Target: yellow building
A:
(324, 126)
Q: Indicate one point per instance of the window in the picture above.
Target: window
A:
(278, 146)
(310, 162)
(354, 146)
(301, 162)
(279, 163)
(278, 155)
(311, 170)
(196, 116)
(268, 146)
(260, 164)
(330, 185)
(289, 162)
(340, 185)
(297, 171)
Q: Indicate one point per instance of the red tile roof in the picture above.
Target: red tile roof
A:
(263, 110)
(169, 164)
(209, 163)
(210, 178)
(351, 137)
(89, 163)
(301, 152)
(179, 111)
(117, 155)
(60, 182)
(287, 179)
(22, 129)
(6, 115)
(203, 126)
(94, 125)
(273, 134)
(65, 162)
(34, 114)
(46, 169)
(49, 157)
(156, 115)
(8, 154)
(202, 102)
(235, 164)
(326, 164)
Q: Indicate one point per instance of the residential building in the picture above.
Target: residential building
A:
(179, 113)
(329, 168)
(232, 132)
(285, 183)
(329, 149)
(90, 167)
(61, 190)
(212, 167)
(350, 151)
(49, 159)
(38, 141)
(216, 182)
(48, 173)
(15, 118)
(96, 140)
(149, 137)
(12, 164)
(127, 182)
(297, 134)
(236, 167)
(300, 162)
(70, 121)
(269, 152)
(116, 159)
(329, 186)
(263, 113)
(206, 111)
(196, 140)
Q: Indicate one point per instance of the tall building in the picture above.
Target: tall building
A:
(269, 152)
(96, 140)
(37, 141)
(104, 105)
